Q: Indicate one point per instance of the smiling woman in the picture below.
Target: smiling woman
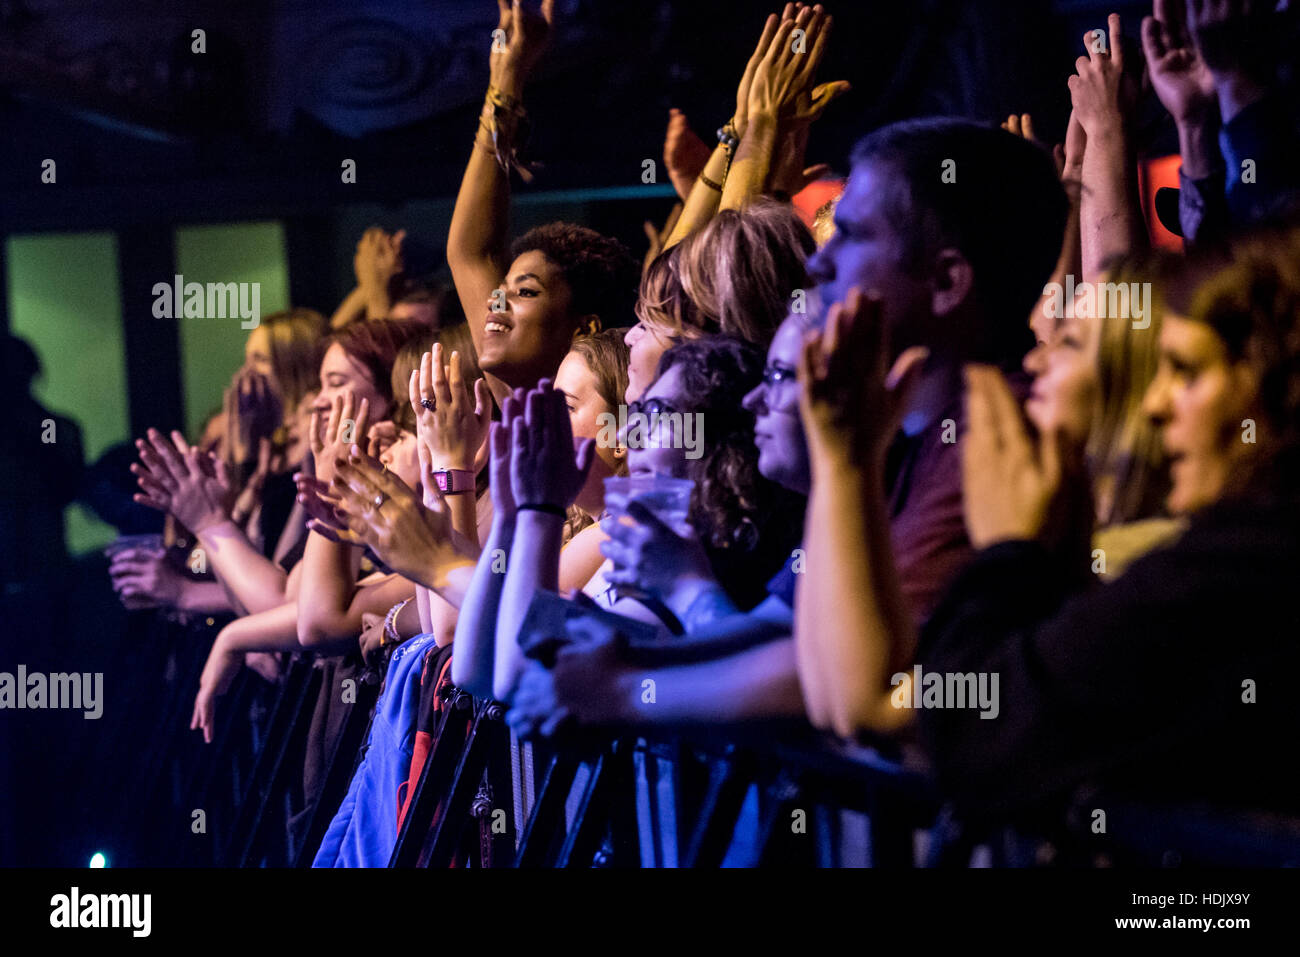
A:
(565, 280)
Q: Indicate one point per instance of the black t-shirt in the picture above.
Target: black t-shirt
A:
(1171, 683)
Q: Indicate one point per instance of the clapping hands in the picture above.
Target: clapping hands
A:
(1014, 487)
(852, 400)
(782, 85)
(454, 429)
(176, 477)
(544, 469)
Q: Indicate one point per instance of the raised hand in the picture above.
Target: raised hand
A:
(175, 477)
(1009, 482)
(526, 37)
(648, 555)
(851, 399)
(378, 510)
(453, 431)
(1021, 125)
(318, 500)
(1233, 34)
(501, 449)
(783, 84)
(381, 436)
(1070, 162)
(341, 430)
(378, 258)
(685, 154)
(253, 412)
(544, 468)
(1102, 96)
(1179, 75)
(741, 118)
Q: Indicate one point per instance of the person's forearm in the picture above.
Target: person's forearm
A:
(1110, 212)
(699, 601)
(328, 582)
(477, 240)
(475, 659)
(534, 564)
(703, 201)
(351, 308)
(855, 645)
(753, 165)
(1198, 146)
(1068, 263)
(377, 303)
(422, 599)
(256, 582)
(1237, 90)
(758, 683)
(273, 630)
(201, 597)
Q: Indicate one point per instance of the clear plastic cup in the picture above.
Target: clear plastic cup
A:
(668, 498)
(153, 543)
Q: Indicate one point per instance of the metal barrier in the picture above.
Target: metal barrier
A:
(776, 795)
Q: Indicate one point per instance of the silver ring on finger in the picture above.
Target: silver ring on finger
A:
(428, 404)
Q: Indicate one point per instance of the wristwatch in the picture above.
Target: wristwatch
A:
(454, 481)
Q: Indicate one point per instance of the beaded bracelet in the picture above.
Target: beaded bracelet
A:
(390, 623)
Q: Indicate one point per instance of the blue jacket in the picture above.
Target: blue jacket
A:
(364, 831)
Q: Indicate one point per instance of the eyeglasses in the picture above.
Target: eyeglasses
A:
(649, 407)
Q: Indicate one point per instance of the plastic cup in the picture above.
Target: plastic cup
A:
(668, 498)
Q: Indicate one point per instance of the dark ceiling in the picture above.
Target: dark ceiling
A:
(142, 127)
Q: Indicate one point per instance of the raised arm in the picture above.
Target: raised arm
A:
(705, 194)
(478, 240)
(377, 260)
(783, 101)
(330, 568)
(546, 476)
(451, 434)
(416, 541)
(1185, 87)
(851, 647)
(1110, 211)
(1069, 162)
(475, 658)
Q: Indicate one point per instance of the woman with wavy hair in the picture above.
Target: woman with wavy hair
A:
(740, 275)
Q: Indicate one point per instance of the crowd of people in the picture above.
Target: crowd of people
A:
(977, 468)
